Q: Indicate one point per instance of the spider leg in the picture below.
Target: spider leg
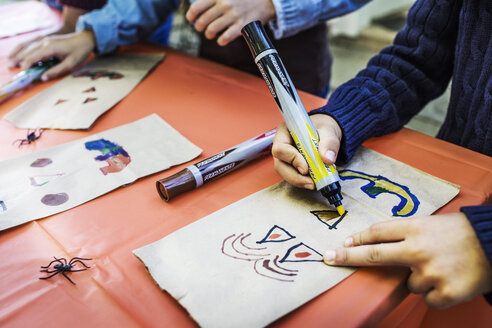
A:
(64, 260)
(77, 270)
(43, 278)
(78, 260)
(55, 260)
(63, 273)
(49, 271)
(21, 143)
(40, 133)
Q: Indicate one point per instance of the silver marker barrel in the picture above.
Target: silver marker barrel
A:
(297, 120)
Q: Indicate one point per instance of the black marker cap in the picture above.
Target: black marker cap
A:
(256, 38)
(333, 192)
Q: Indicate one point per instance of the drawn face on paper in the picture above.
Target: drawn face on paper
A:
(275, 266)
(114, 155)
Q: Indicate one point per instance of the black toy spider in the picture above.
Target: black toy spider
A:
(63, 267)
(31, 137)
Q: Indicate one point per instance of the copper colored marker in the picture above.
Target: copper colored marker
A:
(215, 166)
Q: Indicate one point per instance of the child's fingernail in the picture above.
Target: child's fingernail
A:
(330, 155)
(349, 242)
(44, 78)
(308, 186)
(329, 256)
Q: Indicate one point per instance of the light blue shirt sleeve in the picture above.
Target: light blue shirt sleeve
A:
(294, 16)
(124, 22)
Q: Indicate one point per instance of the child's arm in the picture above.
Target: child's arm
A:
(286, 17)
(227, 16)
(72, 49)
(117, 23)
(70, 16)
(125, 22)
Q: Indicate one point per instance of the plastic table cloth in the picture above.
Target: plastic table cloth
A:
(215, 107)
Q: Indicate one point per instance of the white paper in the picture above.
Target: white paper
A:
(56, 179)
(252, 262)
(79, 99)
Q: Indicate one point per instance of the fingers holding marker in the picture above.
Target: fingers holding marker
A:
(60, 69)
(16, 55)
(34, 54)
(330, 136)
(284, 150)
(292, 176)
(287, 160)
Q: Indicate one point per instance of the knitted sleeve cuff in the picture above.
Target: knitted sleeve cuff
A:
(293, 16)
(357, 109)
(480, 218)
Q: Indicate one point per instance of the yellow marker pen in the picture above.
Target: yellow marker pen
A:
(297, 120)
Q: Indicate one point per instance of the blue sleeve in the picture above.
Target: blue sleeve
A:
(124, 22)
(401, 79)
(294, 16)
(480, 218)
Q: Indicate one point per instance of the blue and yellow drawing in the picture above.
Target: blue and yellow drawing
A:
(116, 157)
(409, 203)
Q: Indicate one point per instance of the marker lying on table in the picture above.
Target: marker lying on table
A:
(25, 78)
(215, 166)
(300, 126)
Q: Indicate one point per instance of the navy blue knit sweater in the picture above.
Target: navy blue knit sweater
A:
(442, 39)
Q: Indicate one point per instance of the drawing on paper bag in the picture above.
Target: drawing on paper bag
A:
(94, 75)
(54, 199)
(377, 185)
(41, 162)
(328, 216)
(116, 157)
(41, 180)
(265, 263)
(60, 101)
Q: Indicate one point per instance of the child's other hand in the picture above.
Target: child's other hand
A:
(227, 17)
(289, 162)
(72, 49)
(443, 252)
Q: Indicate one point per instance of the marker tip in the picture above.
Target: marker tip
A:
(340, 210)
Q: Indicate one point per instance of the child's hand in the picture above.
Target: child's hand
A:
(447, 262)
(72, 49)
(228, 17)
(288, 161)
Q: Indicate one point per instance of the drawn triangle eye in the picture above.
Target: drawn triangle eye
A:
(276, 235)
(60, 101)
(302, 253)
(93, 89)
(89, 99)
(328, 217)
